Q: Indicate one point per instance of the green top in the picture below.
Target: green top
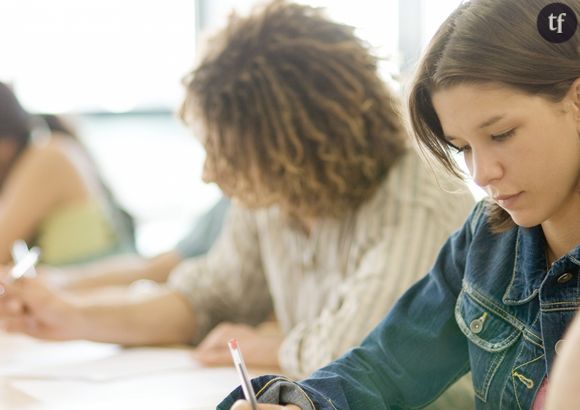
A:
(78, 233)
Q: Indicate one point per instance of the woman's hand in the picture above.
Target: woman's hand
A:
(31, 306)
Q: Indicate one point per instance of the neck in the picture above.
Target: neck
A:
(563, 232)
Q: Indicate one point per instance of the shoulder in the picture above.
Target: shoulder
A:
(56, 159)
(53, 154)
(412, 184)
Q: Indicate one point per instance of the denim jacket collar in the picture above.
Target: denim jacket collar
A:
(530, 265)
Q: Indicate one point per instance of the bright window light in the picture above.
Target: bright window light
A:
(106, 55)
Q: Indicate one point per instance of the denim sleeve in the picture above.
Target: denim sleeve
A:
(411, 357)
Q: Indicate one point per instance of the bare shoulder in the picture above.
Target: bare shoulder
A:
(57, 151)
(57, 159)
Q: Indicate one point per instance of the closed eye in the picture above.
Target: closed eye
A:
(504, 135)
(459, 150)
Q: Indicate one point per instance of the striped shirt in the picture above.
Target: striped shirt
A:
(327, 289)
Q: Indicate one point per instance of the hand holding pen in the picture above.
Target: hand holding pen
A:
(251, 403)
(24, 261)
(28, 305)
(243, 373)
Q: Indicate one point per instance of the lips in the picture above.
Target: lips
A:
(507, 201)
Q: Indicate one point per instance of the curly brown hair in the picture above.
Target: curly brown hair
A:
(293, 112)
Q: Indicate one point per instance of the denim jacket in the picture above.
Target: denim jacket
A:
(490, 305)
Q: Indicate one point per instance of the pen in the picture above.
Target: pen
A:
(19, 250)
(243, 373)
(25, 265)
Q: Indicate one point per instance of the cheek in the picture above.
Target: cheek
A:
(468, 162)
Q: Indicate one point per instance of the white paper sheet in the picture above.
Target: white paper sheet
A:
(21, 354)
(124, 363)
(199, 389)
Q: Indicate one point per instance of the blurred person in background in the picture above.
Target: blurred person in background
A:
(122, 270)
(51, 194)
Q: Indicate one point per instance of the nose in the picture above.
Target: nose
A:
(484, 167)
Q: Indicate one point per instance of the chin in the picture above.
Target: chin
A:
(525, 221)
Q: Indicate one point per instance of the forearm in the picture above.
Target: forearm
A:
(117, 271)
(163, 318)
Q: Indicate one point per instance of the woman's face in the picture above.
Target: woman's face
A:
(523, 150)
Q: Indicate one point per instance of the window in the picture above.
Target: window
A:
(106, 55)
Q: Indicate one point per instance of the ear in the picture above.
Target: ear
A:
(574, 95)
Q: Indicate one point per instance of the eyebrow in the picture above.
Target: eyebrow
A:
(484, 124)
(491, 121)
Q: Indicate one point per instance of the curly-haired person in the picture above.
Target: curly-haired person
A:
(334, 215)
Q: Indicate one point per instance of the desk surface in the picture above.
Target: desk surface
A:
(38, 375)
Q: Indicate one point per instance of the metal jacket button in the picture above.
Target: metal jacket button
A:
(565, 277)
(476, 325)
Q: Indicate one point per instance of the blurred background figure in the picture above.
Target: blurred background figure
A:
(51, 194)
(110, 275)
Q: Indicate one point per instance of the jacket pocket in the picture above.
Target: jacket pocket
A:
(489, 333)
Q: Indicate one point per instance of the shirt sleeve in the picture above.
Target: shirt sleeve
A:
(401, 253)
(205, 231)
(228, 283)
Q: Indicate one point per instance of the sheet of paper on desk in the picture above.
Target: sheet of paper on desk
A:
(21, 354)
(125, 363)
(198, 389)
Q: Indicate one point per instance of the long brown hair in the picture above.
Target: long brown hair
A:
(293, 112)
(490, 41)
(15, 122)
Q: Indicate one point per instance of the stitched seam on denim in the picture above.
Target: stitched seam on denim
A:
(502, 394)
(535, 319)
(497, 360)
(525, 330)
(561, 309)
(528, 333)
(534, 336)
(516, 258)
(515, 395)
(264, 387)
(455, 377)
(495, 346)
(276, 379)
(331, 403)
(574, 260)
(494, 307)
(521, 301)
(485, 345)
(480, 393)
(577, 302)
(517, 368)
(528, 362)
(533, 342)
(516, 322)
